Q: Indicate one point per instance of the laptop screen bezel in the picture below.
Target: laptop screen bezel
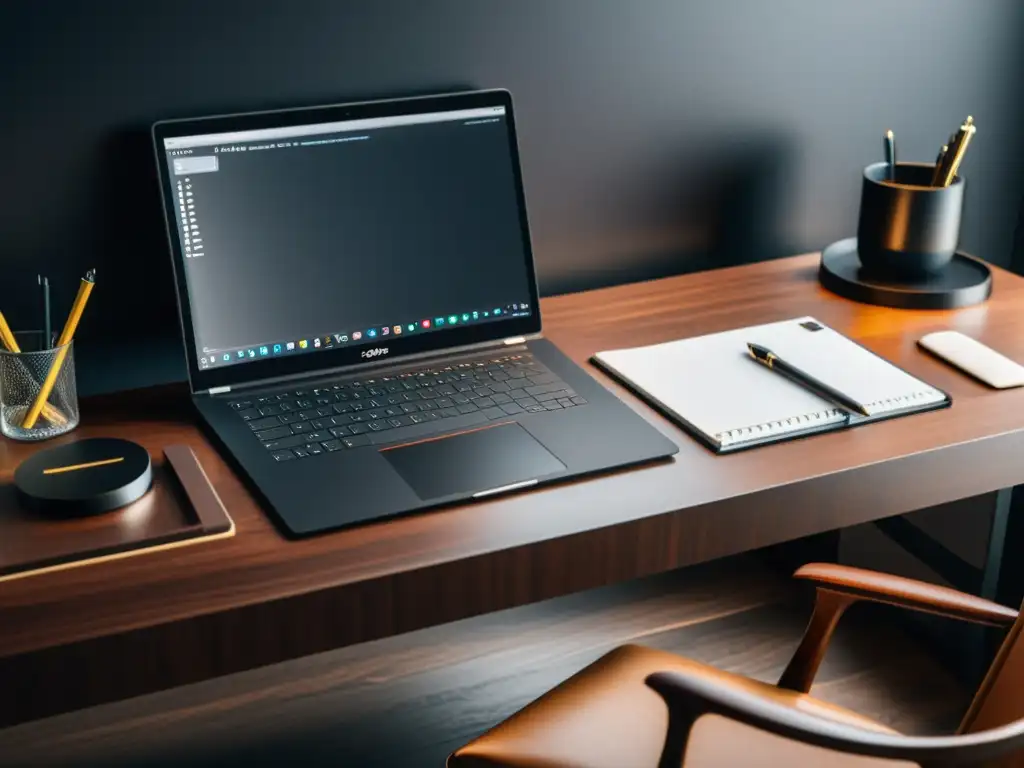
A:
(338, 358)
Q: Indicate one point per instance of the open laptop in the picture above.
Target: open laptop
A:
(360, 311)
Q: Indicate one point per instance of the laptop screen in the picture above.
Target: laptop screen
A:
(350, 234)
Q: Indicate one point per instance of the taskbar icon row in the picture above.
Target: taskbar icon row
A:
(334, 340)
(437, 323)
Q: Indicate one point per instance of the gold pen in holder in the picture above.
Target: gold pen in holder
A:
(958, 156)
(945, 171)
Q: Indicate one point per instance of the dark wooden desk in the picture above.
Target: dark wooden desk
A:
(118, 629)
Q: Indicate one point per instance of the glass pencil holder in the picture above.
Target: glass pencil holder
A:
(24, 374)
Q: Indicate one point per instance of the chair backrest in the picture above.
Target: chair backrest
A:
(1000, 697)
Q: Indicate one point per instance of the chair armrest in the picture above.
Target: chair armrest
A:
(690, 696)
(862, 584)
(839, 586)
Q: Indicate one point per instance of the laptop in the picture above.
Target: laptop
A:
(360, 313)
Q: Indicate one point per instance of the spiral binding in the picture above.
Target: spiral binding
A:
(780, 427)
(889, 404)
(829, 416)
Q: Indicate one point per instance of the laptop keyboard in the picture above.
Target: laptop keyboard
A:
(297, 424)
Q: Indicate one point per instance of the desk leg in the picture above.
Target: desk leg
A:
(993, 579)
(1010, 577)
(999, 581)
(966, 648)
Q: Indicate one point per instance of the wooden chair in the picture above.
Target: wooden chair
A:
(642, 708)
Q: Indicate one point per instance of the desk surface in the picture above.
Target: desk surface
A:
(121, 628)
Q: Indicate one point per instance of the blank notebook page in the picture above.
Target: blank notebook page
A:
(713, 384)
(846, 366)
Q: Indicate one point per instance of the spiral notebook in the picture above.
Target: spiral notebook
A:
(711, 387)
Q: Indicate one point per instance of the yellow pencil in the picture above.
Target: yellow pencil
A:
(6, 337)
(10, 343)
(65, 338)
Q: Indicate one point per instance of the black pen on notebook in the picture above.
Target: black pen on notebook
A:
(769, 359)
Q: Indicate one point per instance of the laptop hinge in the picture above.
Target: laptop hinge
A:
(218, 390)
(514, 340)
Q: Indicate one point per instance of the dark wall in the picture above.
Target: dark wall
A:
(657, 136)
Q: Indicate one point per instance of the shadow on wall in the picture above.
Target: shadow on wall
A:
(1017, 260)
(131, 245)
(130, 336)
(738, 213)
(119, 231)
(748, 213)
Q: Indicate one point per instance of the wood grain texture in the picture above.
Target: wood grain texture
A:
(134, 626)
(410, 700)
(180, 509)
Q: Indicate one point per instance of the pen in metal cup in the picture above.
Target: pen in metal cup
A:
(890, 154)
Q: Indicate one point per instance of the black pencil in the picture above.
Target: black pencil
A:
(44, 285)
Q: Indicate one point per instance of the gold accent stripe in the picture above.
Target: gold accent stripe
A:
(87, 465)
(435, 438)
(144, 550)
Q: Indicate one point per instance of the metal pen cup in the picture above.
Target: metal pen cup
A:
(908, 229)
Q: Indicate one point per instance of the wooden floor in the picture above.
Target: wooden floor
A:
(409, 700)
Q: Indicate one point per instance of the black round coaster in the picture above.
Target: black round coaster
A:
(86, 477)
(964, 281)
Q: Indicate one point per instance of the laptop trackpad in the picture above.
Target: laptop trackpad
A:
(469, 462)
